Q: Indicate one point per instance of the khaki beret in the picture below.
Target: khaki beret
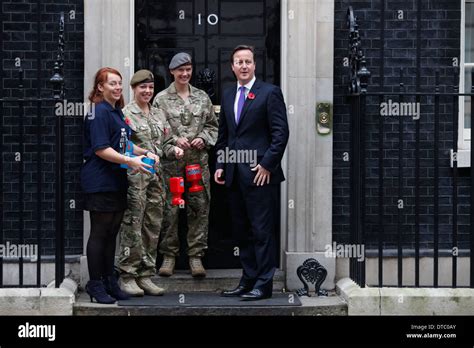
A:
(179, 59)
(141, 76)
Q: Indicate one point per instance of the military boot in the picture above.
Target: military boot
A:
(167, 267)
(197, 269)
(149, 287)
(129, 285)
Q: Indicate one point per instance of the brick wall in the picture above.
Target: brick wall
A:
(20, 45)
(439, 44)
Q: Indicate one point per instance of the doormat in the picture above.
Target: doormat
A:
(210, 300)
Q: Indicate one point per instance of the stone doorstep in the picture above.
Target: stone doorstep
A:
(36, 301)
(215, 280)
(405, 301)
(332, 305)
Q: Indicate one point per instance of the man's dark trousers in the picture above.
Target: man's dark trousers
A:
(253, 210)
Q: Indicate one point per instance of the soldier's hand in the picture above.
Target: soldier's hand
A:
(183, 143)
(198, 143)
(218, 175)
(154, 157)
(178, 153)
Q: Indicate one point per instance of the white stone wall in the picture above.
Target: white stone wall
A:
(309, 80)
(108, 41)
(307, 75)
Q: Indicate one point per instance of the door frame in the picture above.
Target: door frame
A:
(283, 81)
(112, 54)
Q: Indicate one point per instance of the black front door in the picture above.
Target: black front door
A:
(209, 30)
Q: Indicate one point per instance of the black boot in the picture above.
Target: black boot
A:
(113, 289)
(96, 289)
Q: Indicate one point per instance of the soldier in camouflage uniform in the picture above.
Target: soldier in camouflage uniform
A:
(190, 114)
(141, 225)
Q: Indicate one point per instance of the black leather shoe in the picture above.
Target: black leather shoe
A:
(255, 294)
(235, 292)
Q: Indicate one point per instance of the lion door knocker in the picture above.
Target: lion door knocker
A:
(311, 271)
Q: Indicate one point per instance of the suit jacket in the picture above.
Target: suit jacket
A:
(262, 129)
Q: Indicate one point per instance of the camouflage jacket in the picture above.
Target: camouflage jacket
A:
(193, 118)
(151, 131)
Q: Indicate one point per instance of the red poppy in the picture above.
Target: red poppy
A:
(251, 96)
(127, 121)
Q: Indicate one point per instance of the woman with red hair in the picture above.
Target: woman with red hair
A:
(104, 181)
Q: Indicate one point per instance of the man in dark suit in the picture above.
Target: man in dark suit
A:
(252, 121)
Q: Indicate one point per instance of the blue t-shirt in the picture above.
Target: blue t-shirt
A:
(104, 128)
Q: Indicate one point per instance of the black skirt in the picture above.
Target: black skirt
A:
(105, 201)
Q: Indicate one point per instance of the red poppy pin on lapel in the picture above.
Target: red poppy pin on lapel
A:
(127, 121)
(251, 96)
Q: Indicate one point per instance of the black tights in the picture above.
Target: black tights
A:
(101, 243)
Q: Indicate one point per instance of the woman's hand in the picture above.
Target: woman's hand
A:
(137, 166)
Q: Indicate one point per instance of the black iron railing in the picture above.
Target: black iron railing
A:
(399, 180)
(20, 103)
(359, 76)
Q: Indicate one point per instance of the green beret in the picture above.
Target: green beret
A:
(179, 59)
(141, 76)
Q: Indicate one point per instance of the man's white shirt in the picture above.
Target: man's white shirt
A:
(248, 87)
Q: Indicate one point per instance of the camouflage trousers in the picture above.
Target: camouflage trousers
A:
(141, 225)
(197, 208)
